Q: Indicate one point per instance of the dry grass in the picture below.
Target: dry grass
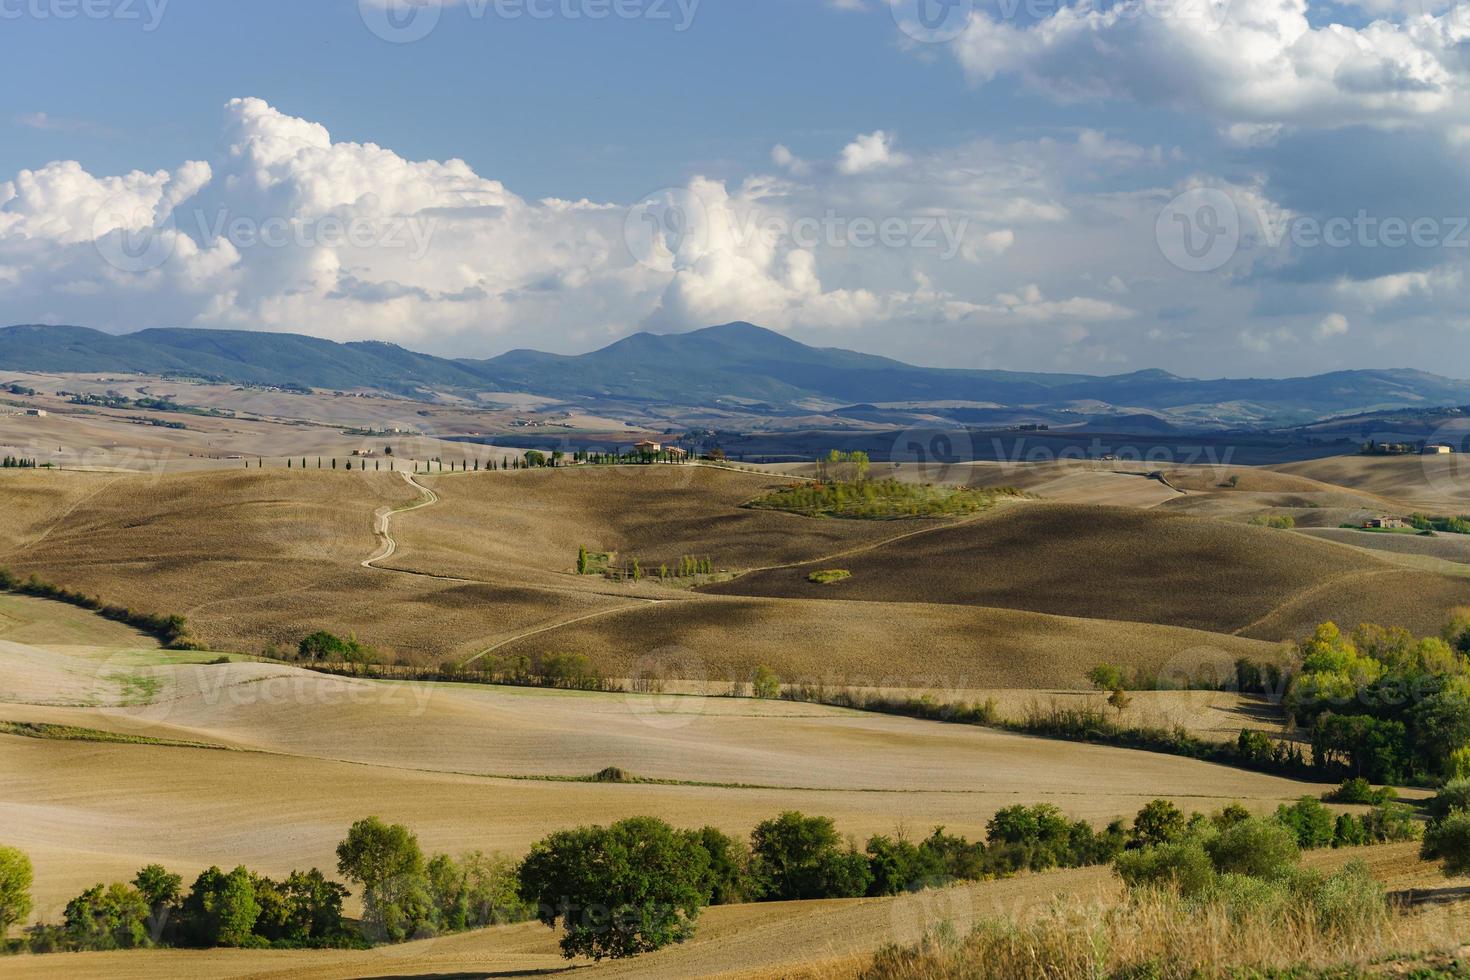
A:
(1162, 935)
(1435, 483)
(254, 557)
(491, 526)
(1141, 566)
(875, 644)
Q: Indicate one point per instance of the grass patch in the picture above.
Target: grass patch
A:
(137, 689)
(71, 733)
(829, 576)
(876, 500)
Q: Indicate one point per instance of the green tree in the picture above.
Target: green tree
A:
(729, 878)
(108, 917)
(617, 891)
(765, 684)
(160, 890)
(387, 861)
(220, 909)
(1106, 677)
(1159, 822)
(799, 857)
(16, 878)
(582, 560)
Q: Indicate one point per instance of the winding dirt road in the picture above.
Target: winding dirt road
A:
(384, 516)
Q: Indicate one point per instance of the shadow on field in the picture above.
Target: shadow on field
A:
(1419, 897)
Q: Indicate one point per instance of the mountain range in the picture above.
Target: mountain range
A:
(731, 366)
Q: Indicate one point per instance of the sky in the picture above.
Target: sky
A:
(1211, 187)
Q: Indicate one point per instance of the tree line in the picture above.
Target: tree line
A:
(171, 630)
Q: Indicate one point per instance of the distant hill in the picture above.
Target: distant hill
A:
(732, 365)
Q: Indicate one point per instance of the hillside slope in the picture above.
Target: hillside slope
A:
(1128, 564)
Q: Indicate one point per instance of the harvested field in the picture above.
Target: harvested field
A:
(489, 526)
(1435, 483)
(471, 766)
(1443, 547)
(259, 557)
(874, 644)
(1140, 566)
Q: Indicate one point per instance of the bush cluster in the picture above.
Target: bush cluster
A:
(238, 908)
(1384, 705)
(879, 500)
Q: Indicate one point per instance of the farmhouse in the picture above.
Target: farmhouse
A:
(648, 446)
(39, 413)
(1385, 523)
(1438, 449)
(675, 452)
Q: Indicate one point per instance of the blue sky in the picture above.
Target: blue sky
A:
(1058, 151)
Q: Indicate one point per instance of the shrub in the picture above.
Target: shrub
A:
(1453, 795)
(1311, 822)
(1389, 822)
(1254, 847)
(1448, 841)
(618, 891)
(1185, 866)
(1359, 790)
(765, 684)
(829, 576)
(1105, 677)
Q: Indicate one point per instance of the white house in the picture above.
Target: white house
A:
(1438, 449)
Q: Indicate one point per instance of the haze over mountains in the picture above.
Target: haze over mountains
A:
(735, 365)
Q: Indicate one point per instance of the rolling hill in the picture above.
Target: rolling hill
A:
(737, 364)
